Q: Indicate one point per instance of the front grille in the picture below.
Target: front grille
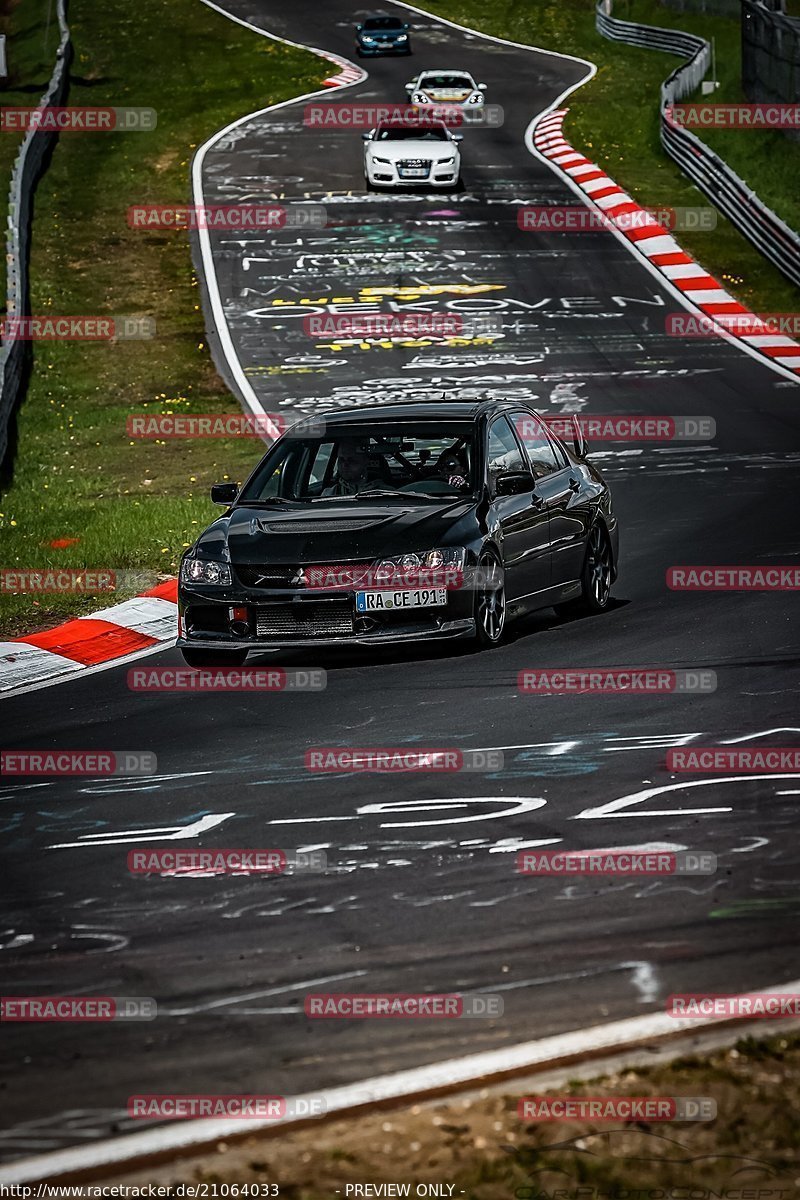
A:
(271, 575)
(414, 162)
(333, 618)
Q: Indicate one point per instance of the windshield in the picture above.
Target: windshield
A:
(403, 460)
(400, 133)
(382, 23)
(446, 81)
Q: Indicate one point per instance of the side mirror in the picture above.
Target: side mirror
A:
(411, 87)
(359, 28)
(406, 28)
(514, 483)
(366, 137)
(456, 137)
(579, 442)
(224, 493)
(481, 87)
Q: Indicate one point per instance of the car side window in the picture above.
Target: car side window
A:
(319, 465)
(540, 449)
(503, 450)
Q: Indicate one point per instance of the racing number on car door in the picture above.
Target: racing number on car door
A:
(523, 518)
(559, 486)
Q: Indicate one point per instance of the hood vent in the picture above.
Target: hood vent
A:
(329, 525)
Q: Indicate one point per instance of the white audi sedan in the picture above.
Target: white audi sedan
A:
(446, 87)
(399, 156)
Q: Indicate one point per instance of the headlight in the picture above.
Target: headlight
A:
(205, 570)
(419, 98)
(426, 560)
(476, 98)
(387, 161)
(445, 162)
(401, 37)
(366, 38)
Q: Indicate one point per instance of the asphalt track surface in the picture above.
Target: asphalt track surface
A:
(422, 894)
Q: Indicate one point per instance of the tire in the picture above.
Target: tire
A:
(595, 578)
(490, 602)
(214, 658)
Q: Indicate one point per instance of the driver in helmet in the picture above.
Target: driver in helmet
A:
(354, 471)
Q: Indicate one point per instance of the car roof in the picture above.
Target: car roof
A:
(464, 410)
(423, 128)
(445, 71)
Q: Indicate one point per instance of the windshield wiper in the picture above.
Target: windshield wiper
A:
(271, 503)
(379, 492)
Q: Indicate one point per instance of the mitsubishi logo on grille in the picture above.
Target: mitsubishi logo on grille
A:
(299, 579)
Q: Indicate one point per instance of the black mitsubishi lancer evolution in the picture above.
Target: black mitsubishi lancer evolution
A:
(410, 522)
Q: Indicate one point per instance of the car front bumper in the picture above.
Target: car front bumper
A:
(452, 631)
(386, 175)
(376, 49)
(289, 618)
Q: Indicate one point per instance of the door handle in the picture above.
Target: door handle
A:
(536, 501)
(574, 484)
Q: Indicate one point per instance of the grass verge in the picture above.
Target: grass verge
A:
(614, 120)
(78, 479)
(32, 37)
(480, 1147)
(768, 161)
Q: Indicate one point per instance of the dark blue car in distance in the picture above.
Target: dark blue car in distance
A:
(382, 35)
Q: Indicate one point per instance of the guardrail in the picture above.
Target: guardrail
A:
(26, 172)
(731, 195)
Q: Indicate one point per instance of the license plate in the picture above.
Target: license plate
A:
(390, 601)
(412, 172)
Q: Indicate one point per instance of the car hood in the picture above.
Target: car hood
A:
(382, 35)
(413, 148)
(350, 531)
